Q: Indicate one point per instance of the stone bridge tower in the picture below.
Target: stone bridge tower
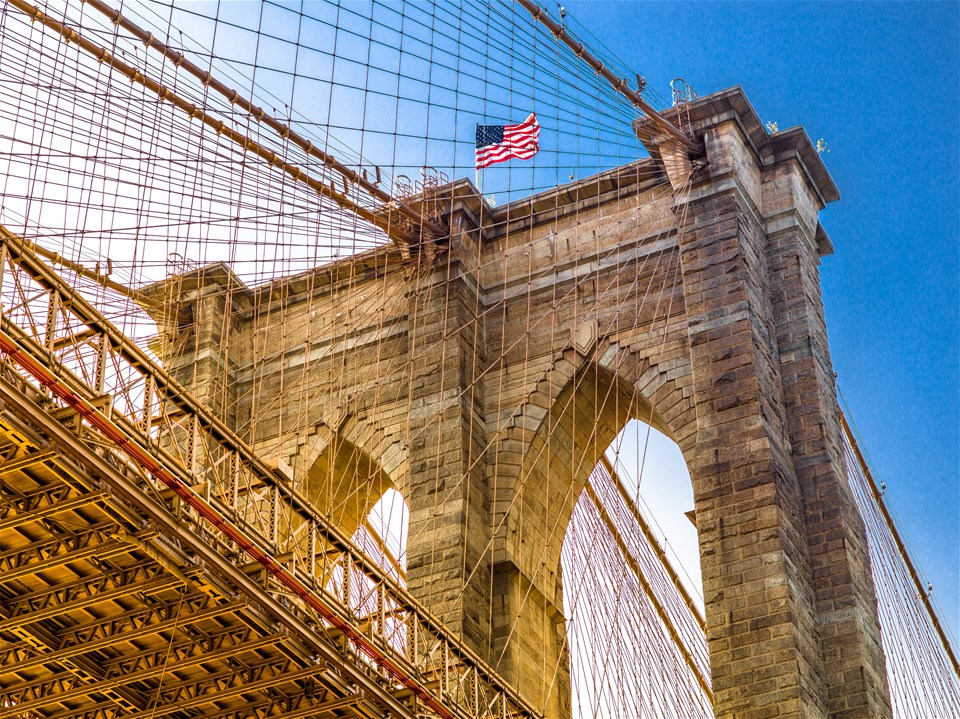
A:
(484, 382)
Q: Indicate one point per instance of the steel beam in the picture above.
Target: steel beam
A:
(99, 710)
(197, 643)
(132, 664)
(104, 578)
(180, 699)
(15, 465)
(113, 632)
(185, 606)
(12, 655)
(80, 666)
(284, 710)
(68, 687)
(42, 504)
(87, 596)
(161, 516)
(49, 554)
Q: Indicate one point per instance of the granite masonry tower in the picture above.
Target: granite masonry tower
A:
(498, 368)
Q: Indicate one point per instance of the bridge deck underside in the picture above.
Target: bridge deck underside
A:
(96, 622)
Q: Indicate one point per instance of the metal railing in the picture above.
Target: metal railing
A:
(118, 394)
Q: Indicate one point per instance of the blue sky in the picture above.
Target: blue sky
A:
(879, 82)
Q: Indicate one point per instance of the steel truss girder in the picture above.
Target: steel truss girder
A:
(12, 655)
(131, 664)
(68, 687)
(21, 702)
(187, 607)
(42, 639)
(30, 460)
(43, 504)
(127, 628)
(52, 553)
(100, 710)
(298, 707)
(129, 488)
(58, 601)
(228, 685)
(295, 707)
(218, 646)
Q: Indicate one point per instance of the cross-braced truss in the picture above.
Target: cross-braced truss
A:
(169, 586)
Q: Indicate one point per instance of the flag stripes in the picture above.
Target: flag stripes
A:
(496, 143)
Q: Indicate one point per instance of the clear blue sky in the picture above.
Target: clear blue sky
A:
(879, 82)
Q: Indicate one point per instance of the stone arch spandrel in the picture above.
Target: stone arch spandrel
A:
(584, 419)
(656, 362)
(342, 478)
(575, 427)
(644, 376)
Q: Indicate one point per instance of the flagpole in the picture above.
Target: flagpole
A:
(476, 170)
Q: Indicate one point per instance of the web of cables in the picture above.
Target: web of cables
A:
(106, 173)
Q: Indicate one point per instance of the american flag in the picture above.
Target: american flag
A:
(496, 143)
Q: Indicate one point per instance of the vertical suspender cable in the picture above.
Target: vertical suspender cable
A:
(878, 498)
